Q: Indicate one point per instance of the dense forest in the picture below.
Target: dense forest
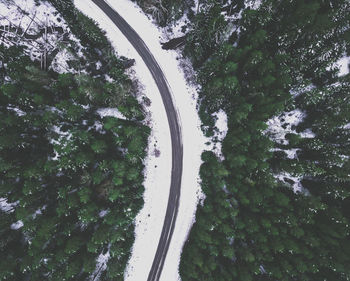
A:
(71, 178)
(277, 206)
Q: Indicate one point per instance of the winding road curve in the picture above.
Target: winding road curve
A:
(176, 140)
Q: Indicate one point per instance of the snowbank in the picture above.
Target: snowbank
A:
(149, 221)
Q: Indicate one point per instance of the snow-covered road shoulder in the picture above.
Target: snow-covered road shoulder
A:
(149, 221)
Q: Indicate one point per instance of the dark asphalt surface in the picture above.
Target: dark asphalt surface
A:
(176, 140)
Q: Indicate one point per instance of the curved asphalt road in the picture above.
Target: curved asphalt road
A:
(176, 141)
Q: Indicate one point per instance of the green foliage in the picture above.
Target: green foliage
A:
(252, 226)
(208, 33)
(165, 11)
(61, 164)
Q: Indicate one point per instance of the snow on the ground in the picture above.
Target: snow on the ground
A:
(28, 16)
(253, 4)
(36, 16)
(219, 133)
(59, 63)
(344, 65)
(17, 225)
(112, 112)
(221, 124)
(16, 110)
(103, 213)
(307, 134)
(101, 265)
(347, 126)
(149, 221)
(58, 131)
(195, 6)
(7, 207)
(302, 89)
(177, 29)
(279, 126)
(293, 181)
(39, 211)
(291, 153)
